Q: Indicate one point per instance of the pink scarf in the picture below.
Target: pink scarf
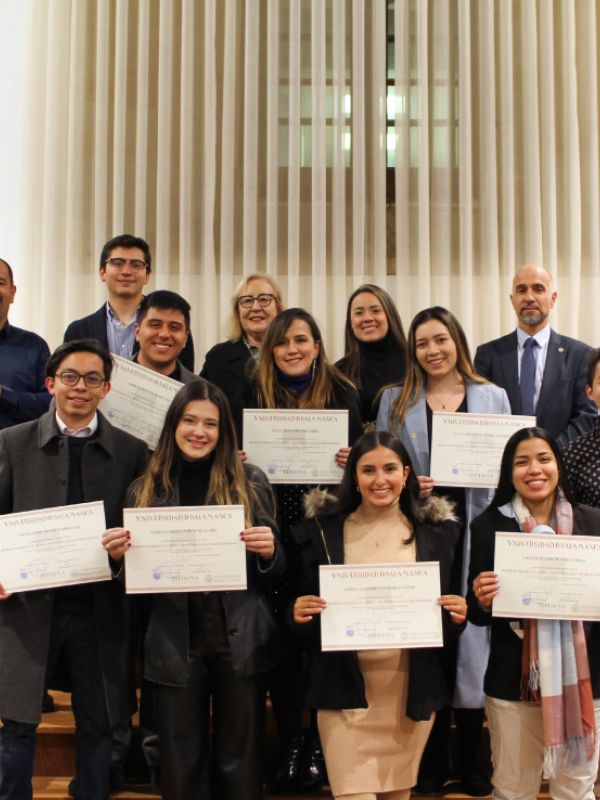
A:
(555, 668)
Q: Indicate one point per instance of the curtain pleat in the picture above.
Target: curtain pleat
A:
(429, 146)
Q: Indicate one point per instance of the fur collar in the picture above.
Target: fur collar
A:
(435, 509)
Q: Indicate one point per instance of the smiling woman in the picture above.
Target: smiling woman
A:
(552, 661)
(293, 372)
(440, 377)
(210, 648)
(375, 708)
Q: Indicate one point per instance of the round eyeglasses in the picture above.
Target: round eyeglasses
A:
(263, 300)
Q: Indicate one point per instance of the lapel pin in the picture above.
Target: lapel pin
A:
(413, 436)
(561, 349)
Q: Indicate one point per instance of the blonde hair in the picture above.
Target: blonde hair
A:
(234, 326)
(415, 378)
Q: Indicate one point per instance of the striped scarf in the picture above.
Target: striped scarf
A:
(555, 668)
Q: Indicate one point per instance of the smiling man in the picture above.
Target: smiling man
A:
(70, 455)
(162, 330)
(125, 267)
(543, 372)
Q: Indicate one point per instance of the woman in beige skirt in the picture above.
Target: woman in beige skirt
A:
(376, 707)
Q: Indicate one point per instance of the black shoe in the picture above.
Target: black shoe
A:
(72, 788)
(430, 784)
(285, 775)
(47, 703)
(312, 775)
(476, 784)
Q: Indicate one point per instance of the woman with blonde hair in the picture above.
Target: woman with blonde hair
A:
(205, 652)
(440, 376)
(254, 304)
(294, 372)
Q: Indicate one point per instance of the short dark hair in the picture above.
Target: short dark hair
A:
(80, 346)
(9, 268)
(128, 241)
(593, 361)
(506, 490)
(164, 299)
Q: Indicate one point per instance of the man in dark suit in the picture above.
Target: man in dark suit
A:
(70, 455)
(125, 267)
(543, 372)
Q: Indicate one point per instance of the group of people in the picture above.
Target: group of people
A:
(373, 723)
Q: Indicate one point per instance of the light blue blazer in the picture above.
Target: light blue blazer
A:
(473, 644)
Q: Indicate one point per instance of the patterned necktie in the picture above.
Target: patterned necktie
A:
(527, 380)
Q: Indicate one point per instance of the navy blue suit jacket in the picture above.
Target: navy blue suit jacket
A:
(94, 327)
(563, 408)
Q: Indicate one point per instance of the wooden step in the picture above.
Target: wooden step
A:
(45, 788)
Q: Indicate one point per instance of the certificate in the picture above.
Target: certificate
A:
(53, 547)
(296, 445)
(380, 606)
(185, 549)
(138, 400)
(466, 449)
(542, 576)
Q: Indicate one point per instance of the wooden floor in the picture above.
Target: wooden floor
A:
(54, 758)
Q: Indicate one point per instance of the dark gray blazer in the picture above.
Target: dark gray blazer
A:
(563, 407)
(34, 471)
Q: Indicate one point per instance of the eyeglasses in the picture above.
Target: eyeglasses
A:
(136, 264)
(93, 380)
(264, 300)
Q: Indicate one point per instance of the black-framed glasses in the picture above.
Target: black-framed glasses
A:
(93, 380)
(136, 264)
(264, 300)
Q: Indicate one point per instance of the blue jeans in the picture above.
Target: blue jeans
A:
(73, 642)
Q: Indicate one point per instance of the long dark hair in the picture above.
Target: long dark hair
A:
(506, 490)
(347, 499)
(228, 482)
(395, 329)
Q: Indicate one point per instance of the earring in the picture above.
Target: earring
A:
(357, 488)
(314, 367)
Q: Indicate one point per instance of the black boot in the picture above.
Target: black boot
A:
(312, 775)
(286, 774)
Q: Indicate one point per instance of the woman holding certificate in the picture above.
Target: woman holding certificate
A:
(206, 650)
(375, 347)
(543, 675)
(376, 707)
(440, 377)
(294, 373)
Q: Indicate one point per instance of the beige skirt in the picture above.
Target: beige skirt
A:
(375, 749)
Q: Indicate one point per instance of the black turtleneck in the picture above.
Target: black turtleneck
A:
(193, 481)
(381, 363)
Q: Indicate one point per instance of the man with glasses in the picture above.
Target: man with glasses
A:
(23, 356)
(255, 302)
(69, 455)
(125, 267)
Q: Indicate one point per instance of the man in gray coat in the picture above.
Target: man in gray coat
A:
(70, 455)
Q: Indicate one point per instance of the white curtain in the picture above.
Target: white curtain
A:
(429, 146)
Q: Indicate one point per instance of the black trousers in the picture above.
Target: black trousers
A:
(194, 766)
